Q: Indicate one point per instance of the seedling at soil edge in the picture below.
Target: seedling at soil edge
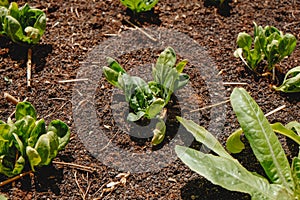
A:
(138, 6)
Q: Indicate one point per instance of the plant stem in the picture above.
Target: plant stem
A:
(14, 178)
(10, 98)
(29, 64)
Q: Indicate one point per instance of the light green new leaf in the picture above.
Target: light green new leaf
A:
(229, 174)
(33, 157)
(283, 130)
(139, 5)
(262, 139)
(204, 137)
(180, 66)
(159, 132)
(294, 125)
(135, 117)
(234, 143)
(155, 108)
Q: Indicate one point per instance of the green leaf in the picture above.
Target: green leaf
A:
(244, 41)
(111, 76)
(296, 174)
(159, 132)
(23, 109)
(294, 125)
(155, 108)
(182, 80)
(47, 147)
(291, 82)
(229, 174)
(180, 66)
(279, 128)
(4, 3)
(19, 144)
(25, 126)
(135, 117)
(203, 136)
(238, 53)
(5, 138)
(262, 139)
(287, 45)
(39, 129)
(62, 131)
(234, 143)
(33, 157)
(139, 5)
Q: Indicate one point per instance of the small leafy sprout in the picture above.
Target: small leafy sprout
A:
(27, 141)
(148, 100)
(222, 169)
(291, 82)
(138, 6)
(269, 43)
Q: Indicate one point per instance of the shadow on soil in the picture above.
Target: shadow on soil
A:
(19, 52)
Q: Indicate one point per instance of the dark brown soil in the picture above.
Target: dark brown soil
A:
(75, 28)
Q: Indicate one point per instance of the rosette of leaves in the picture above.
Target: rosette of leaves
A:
(224, 170)
(29, 141)
(268, 43)
(291, 82)
(138, 6)
(22, 25)
(147, 100)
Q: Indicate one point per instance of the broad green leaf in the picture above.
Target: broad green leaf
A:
(62, 131)
(296, 174)
(135, 117)
(19, 165)
(19, 144)
(4, 3)
(180, 66)
(262, 139)
(23, 109)
(287, 45)
(229, 174)
(33, 157)
(5, 138)
(182, 80)
(159, 132)
(204, 137)
(244, 41)
(234, 143)
(111, 76)
(155, 108)
(39, 129)
(47, 147)
(25, 126)
(114, 65)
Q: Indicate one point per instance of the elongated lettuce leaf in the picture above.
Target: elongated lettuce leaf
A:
(262, 139)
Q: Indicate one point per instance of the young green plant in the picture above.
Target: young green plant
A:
(269, 43)
(148, 100)
(27, 141)
(222, 169)
(138, 6)
(24, 25)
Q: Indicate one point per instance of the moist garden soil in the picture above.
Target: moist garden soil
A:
(75, 28)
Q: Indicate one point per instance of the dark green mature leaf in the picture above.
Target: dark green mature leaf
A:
(291, 82)
(23, 109)
(62, 131)
(229, 174)
(262, 139)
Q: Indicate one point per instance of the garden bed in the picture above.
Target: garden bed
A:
(75, 28)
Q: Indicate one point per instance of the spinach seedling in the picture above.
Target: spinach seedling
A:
(138, 6)
(291, 82)
(24, 25)
(224, 170)
(27, 141)
(269, 44)
(148, 100)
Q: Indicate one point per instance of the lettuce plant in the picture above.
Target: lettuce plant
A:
(27, 141)
(291, 82)
(269, 44)
(148, 100)
(138, 6)
(222, 169)
(22, 25)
